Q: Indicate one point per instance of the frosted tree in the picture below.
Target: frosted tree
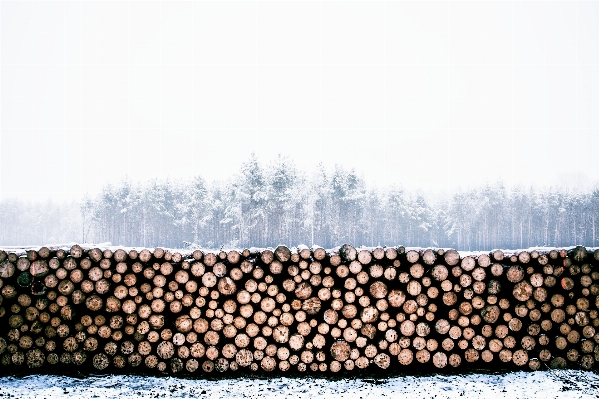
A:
(197, 208)
(250, 195)
(281, 177)
(395, 206)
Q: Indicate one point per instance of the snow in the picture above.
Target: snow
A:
(561, 384)
(187, 252)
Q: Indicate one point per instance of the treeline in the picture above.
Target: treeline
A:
(37, 223)
(266, 205)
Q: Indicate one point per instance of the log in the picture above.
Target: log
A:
(515, 274)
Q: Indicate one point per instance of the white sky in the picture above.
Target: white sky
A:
(426, 94)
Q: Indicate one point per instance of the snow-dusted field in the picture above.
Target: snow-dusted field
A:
(541, 384)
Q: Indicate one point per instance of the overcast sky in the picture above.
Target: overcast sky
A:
(426, 94)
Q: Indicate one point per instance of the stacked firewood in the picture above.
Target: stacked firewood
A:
(297, 310)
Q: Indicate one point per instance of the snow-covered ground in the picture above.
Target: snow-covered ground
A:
(541, 384)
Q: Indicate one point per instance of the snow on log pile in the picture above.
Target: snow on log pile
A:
(298, 310)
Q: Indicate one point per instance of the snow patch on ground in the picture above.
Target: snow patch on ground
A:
(561, 384)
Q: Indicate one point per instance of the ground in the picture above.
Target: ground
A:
(541, 384)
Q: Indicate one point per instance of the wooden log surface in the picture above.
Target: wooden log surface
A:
(301, 309)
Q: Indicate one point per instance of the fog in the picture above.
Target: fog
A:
(435, 98)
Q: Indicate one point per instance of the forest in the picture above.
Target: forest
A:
(264, 205)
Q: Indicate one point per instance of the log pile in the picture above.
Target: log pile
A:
(302, 310)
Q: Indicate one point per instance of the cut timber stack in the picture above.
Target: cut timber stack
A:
(297, 310)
